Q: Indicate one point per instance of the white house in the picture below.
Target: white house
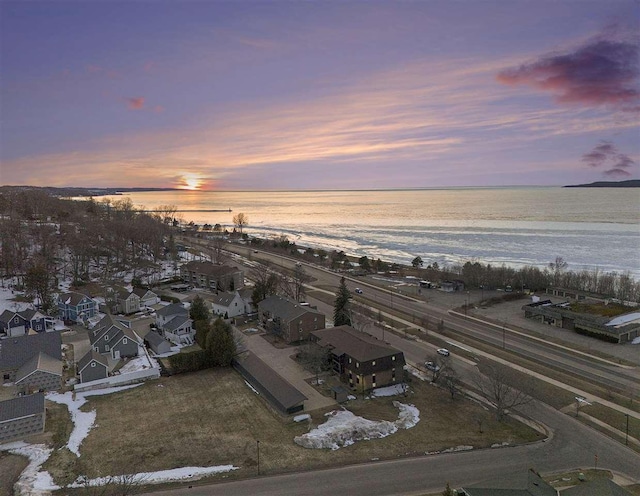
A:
(227, 305)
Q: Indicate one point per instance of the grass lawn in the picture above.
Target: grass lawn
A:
(213, 418)
(11, 466)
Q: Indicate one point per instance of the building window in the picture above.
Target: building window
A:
(349, 360)
(93, 364)
(106, 347)
(373, 380)
(373, 364)
(124, 341)
(357, 365)
(393, 358)
(357, 379)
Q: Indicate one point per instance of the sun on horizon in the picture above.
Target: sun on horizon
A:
(190, 181)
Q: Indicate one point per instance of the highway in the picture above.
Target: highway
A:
(570, 444)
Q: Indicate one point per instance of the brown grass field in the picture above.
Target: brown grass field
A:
(213, 418)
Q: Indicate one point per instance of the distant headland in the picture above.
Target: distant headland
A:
(630, 183)
(88, 192)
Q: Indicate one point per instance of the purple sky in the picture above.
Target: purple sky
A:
(319, 95)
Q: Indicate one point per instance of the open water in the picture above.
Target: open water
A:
(588, 227)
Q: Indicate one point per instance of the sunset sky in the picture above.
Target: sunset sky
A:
(319, 95)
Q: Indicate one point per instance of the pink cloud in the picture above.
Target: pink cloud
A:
(135, 103)
(601, 71)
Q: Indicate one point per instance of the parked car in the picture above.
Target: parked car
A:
(432, 366)
(358, 290)
(443, 351)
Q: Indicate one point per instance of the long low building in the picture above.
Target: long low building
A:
(621, 329)
(282, 395)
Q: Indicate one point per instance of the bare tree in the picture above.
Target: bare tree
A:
(451, 381)
(495, 387)
(438, 365)
(314, 358)
(294, 286)
(216, 250)
(240, 220)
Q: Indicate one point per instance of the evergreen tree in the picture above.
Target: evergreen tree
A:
(220, 345)
(199, 310)
(203, 328)
(448, 491)
(341, 305)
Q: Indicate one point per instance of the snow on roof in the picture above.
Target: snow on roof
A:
(625, 319)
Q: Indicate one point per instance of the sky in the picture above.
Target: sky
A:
(245, 95)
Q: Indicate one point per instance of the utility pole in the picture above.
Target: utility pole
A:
(258, 446)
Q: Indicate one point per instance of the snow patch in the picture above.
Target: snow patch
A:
(32, 481)
(636, 340)
(176, 474)
(388, 391)
(343, 428)
(301, 418)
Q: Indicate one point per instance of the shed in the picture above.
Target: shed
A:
(157, 343)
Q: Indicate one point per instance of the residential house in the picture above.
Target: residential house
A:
(127, 302)
(361, 360)
(41, 373)
(212, 276)
(174, 324)
(21, 417)
(76, 307)
(19, 323)
(157, 343)
(290, 320)
(16, 353)
(111, 337)
(92, 367)
(147, 297)
(227, 305)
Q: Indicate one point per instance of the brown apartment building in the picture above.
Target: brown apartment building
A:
(362, 361)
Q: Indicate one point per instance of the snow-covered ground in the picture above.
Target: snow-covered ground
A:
(33, 481)
(141, 362)
(343, 428)
(394, 390)
(636, 340)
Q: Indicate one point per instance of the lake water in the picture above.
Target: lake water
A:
(588, 227)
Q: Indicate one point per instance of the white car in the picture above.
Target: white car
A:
(358, 290)
(443, 352)
(432, 366)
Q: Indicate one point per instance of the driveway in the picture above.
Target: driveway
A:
(280, 361)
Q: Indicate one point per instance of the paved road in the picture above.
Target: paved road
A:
(572, 445)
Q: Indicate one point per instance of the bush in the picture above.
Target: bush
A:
(189, 362)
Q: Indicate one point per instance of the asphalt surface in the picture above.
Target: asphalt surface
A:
(570, 444)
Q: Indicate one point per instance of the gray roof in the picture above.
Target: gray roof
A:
(285, 308)
(106, 326)
(284, 393)
(89, 357)
(356, 344)
(173, 309)
(22, 406)
(521, 483)
(72, 298)
(223, 299)
(142, 292)
(16, 351)
(42, 362)
(209, 268)
(176, 322)
(154, 339)
(7, 315)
